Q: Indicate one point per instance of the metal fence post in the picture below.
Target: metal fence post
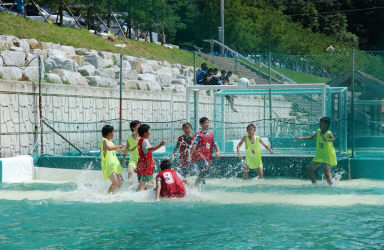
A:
(353, 105)
(121, 100)
(40, 104)
(194, 67)
(270, 96)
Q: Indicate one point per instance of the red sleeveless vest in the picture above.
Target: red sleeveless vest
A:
(145, 162)
(204, 149)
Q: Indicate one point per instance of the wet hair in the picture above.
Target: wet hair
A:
(251, 126)
(106, 130)
(203, 66)
(326, 120)
(187, 124)
(143, 129)
(165, 164)
(133, 124)
(229, 73)
(203, 119)
(223, 72)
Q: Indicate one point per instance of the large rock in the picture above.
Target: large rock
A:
(131, 84)
(69, 77)
(80, 60)
(23, 44)
(142, 85)
(33, 44)
(52, 78)
(32, 61)
(95, 60)
(107, 73)
(148, 77)
(99, 81)
(31, 74)
(53, 63)
(146, 68)
(179, 81)
(4, 45)
(179, 89)
(40, 52)
(165, 76)
(10, 73)
(129, 74)
(137, 65)
(167, 88)
(87, 70)
(153, 86)
(49, 45)
(68, 50)
(13, 58)
(17, 49)
(8, 39)
(56, 53)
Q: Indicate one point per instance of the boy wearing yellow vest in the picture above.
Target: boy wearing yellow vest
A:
(325, 152)
(252, 152)
(110, 165)
(132, 142)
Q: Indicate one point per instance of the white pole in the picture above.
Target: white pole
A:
(188, 105)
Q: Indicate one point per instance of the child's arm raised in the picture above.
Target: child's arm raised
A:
(265, 145)
(152, 149)
(238, 148)
(307, 138)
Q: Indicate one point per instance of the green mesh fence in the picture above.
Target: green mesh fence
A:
(279, 115)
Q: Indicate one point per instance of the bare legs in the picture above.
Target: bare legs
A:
(311, 172)
(259, 171)
(130, 175)
(117, 180)
(144, 185)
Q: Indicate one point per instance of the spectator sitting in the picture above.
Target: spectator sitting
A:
(214, 80)
(201, 74)
(222, 77)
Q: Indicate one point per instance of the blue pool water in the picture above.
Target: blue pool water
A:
(225, 213)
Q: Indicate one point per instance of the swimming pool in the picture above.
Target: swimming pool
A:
(224, 213)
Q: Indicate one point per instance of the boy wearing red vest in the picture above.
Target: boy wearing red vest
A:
(145, 163)
(169, 183)
(185, 144)
(202, 150)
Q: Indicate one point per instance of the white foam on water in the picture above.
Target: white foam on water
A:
(97, 193)
(94, 190)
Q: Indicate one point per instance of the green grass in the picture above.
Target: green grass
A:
(301, 77)
(45, 32)
(297, 76)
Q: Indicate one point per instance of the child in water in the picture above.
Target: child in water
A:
(185, 144)
(132, 142)
(325, 152)
(145, 163)
(202, 150)
(169, 183)
(110, 165)
(252, 152)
